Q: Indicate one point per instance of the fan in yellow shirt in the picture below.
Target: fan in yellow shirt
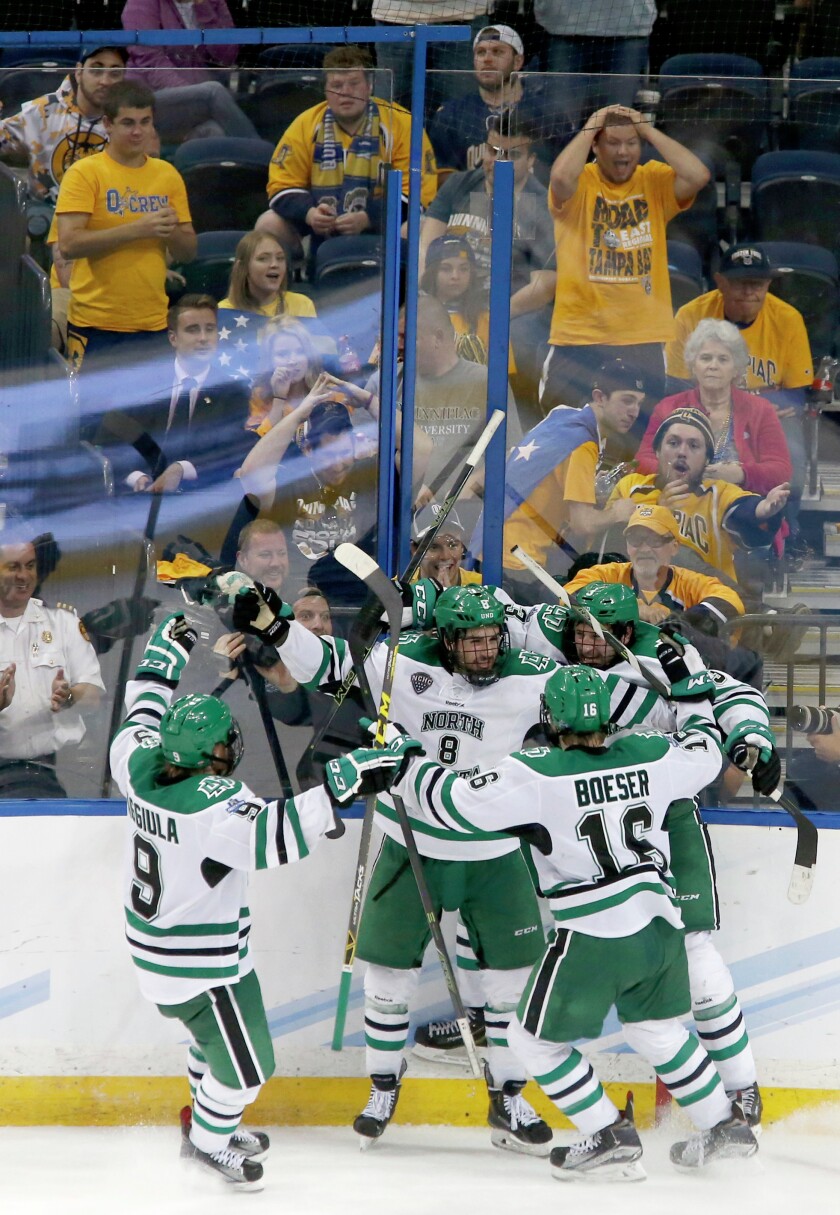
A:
(715, 518)
(119, 214)
(259, 280)
(325, 177)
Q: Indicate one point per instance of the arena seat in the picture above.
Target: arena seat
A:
(810, 281)
(209, 272)
(796, 197)
(279, 98)
(685, 270)
(814, 110)
(226, 180)
(717, 105)
(33, 78)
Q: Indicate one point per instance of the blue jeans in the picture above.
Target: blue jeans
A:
(596, 72)
(200, 111)
(397, 58)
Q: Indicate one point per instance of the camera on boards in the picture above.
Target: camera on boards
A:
(808, 720)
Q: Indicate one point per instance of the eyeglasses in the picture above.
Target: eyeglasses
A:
(507, 153)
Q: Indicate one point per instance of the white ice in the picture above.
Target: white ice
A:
(411, 1171)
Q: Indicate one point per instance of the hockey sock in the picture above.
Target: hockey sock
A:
(217, 1112)
(196, 1067)
(722, 1031)
(469, 975)
(683, 1067)
(566, 1078)
(501, 1060)
(388, 995)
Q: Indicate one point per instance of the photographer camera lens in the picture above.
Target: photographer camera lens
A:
(811, 721)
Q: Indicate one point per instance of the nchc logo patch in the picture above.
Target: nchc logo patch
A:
(421, 682)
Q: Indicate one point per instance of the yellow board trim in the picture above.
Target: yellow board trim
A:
(305, 1101)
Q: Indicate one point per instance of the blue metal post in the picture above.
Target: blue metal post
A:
(497, 368)
(385, 549)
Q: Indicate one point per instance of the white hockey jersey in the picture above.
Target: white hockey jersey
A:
(595, 819)
(188, 855)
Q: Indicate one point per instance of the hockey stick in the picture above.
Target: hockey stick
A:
(620, 648)
(124, 427)
(447, 506)
(379, 584)
(807, 838)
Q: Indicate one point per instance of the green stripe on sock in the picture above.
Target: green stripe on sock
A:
(571, 1110)
(700, 1094)
(574, 1059)
(375, 1044)
(719, 1010)
(727, 1052)
(679, 1060)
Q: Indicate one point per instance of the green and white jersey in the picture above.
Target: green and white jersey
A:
(190, 848)
(463, 728)
(595, 819)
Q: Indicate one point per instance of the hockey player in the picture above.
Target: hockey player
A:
(741, 715)
(196, 831)
(596, 819)
(470, 699)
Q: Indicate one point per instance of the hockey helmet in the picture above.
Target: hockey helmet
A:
(460, 609)
(577, 700)
(609, 602)
(192, 727)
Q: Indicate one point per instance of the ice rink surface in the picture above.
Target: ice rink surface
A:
(412, 1171)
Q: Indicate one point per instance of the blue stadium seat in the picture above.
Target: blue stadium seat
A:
(209, 272)
(279, 98)
(810, 281)
(34, 78)
(343, 259)
(796, 197)
(226, 181)
(814, 112)
(685, 270)
(717, 105)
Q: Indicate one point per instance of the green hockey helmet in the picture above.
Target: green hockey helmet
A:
(459, 610)
(609, 602)
(193, 726)
(576, 700)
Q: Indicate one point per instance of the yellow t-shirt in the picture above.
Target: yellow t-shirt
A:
(297, 304)
(291, 164)
(612, 262)
(123, 290)
(682, 589)
(780, 354)
(701, 517)
(539, 521)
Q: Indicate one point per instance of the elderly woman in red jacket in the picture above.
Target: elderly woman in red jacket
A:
(192, 99)
(750, 446)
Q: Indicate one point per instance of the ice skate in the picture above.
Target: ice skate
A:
(384, 1095)
(730, 1139)
(441, 1041)
(749, 1099)
(515, 1124)
(232, 1166)
(253, 1145)
(612, 1154)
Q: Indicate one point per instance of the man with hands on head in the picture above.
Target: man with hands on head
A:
(613, 294)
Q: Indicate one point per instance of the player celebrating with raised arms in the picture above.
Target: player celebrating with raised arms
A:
(196, 831)
(596, 818)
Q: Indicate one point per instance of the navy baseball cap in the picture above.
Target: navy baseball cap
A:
(746, 261)
(87, 52)
(449, 246)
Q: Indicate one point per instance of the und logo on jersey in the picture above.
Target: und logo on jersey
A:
(421, 682)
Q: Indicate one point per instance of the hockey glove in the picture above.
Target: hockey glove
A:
(684, 669)
(118, 619)
(260, 611)
(751, 747)
(167, 651)
(366, 771)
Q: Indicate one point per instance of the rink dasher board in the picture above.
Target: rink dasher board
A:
(79, 1045)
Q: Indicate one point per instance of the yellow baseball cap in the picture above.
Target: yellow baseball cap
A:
(656, 519)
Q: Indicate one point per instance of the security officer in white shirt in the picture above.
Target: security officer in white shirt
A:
(49, 677)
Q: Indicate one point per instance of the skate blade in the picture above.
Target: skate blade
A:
(213, 1179)
(457, 1057)
(509, 1143)
(366, 1142)
(742, 1164)
(620, 1171)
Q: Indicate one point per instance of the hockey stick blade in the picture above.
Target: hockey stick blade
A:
(807, 842)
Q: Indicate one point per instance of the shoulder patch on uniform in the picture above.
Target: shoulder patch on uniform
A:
(66, 607)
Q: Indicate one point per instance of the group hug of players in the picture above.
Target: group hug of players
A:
(534, 763)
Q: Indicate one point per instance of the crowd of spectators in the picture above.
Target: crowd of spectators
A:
(676, 440)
